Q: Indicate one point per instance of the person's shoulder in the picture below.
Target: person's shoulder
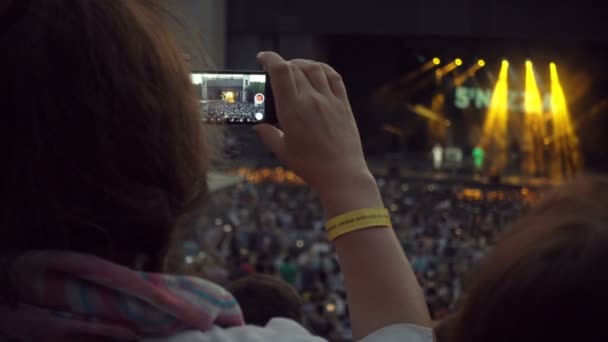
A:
(401, 333)
(278, 329)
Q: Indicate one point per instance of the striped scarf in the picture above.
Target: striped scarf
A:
(64, 296)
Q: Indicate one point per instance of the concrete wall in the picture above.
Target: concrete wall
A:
(300, 28)
(201, 31)
(541, 19)
(229, 33)
(243, 47)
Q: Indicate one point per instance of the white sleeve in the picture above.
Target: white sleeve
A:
(401, 333)
(285, 330)
(277, 330)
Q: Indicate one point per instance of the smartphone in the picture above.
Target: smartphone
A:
(234, 97)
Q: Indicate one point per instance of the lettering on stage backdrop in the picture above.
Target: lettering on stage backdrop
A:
(479, 98)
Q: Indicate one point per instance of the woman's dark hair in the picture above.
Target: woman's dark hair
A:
(546, 278)
(263, 297)
(102, 145)
(444, 330)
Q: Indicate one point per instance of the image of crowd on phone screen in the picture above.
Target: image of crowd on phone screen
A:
(222, 111)
(230, 98)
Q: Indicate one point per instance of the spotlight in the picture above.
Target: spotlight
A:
(495, 125)
(481, 63)
(436, 60)
(553, 68)
(566, 158)
(532, 97)
(458, 61)
(534, 126)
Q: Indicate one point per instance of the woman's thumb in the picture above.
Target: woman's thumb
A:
(274, 139)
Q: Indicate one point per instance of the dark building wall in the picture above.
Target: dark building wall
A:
(200, 29)
(301, 28)
(566, 19)
(213, 32)
(228, 33)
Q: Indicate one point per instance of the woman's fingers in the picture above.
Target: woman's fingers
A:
(302, 83)
(321, 141)
(335, 82)
(274, 139)
(315, 74)
(279, 70)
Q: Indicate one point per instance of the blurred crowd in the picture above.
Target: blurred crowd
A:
(278, 229)
(221, 111)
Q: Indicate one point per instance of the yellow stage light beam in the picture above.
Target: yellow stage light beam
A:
(446, 69)
(494, 135)
(566, 160)
(390, 93)
(439, 73)
(460, 79)
(458, 62)
(393, 130)
(438, 76)
(418, 72)
(470, 72)
(436, 61)
(532, 98)
(534, 132)
(437, 128)
(425, 112)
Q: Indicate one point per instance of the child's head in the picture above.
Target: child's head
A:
(264, 297)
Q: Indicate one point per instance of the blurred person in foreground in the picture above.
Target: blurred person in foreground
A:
(545, 280)
(105, 157)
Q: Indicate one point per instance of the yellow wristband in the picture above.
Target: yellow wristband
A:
(357, 219)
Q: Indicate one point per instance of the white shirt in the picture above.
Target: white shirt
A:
(285, 330)
(437, 152)
(320, 248)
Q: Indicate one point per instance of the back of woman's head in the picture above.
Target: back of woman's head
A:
(101, 142)
(546, 279)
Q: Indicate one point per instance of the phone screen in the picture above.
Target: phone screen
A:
(234, 97)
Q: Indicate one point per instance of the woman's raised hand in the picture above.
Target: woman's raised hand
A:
(318, 138)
